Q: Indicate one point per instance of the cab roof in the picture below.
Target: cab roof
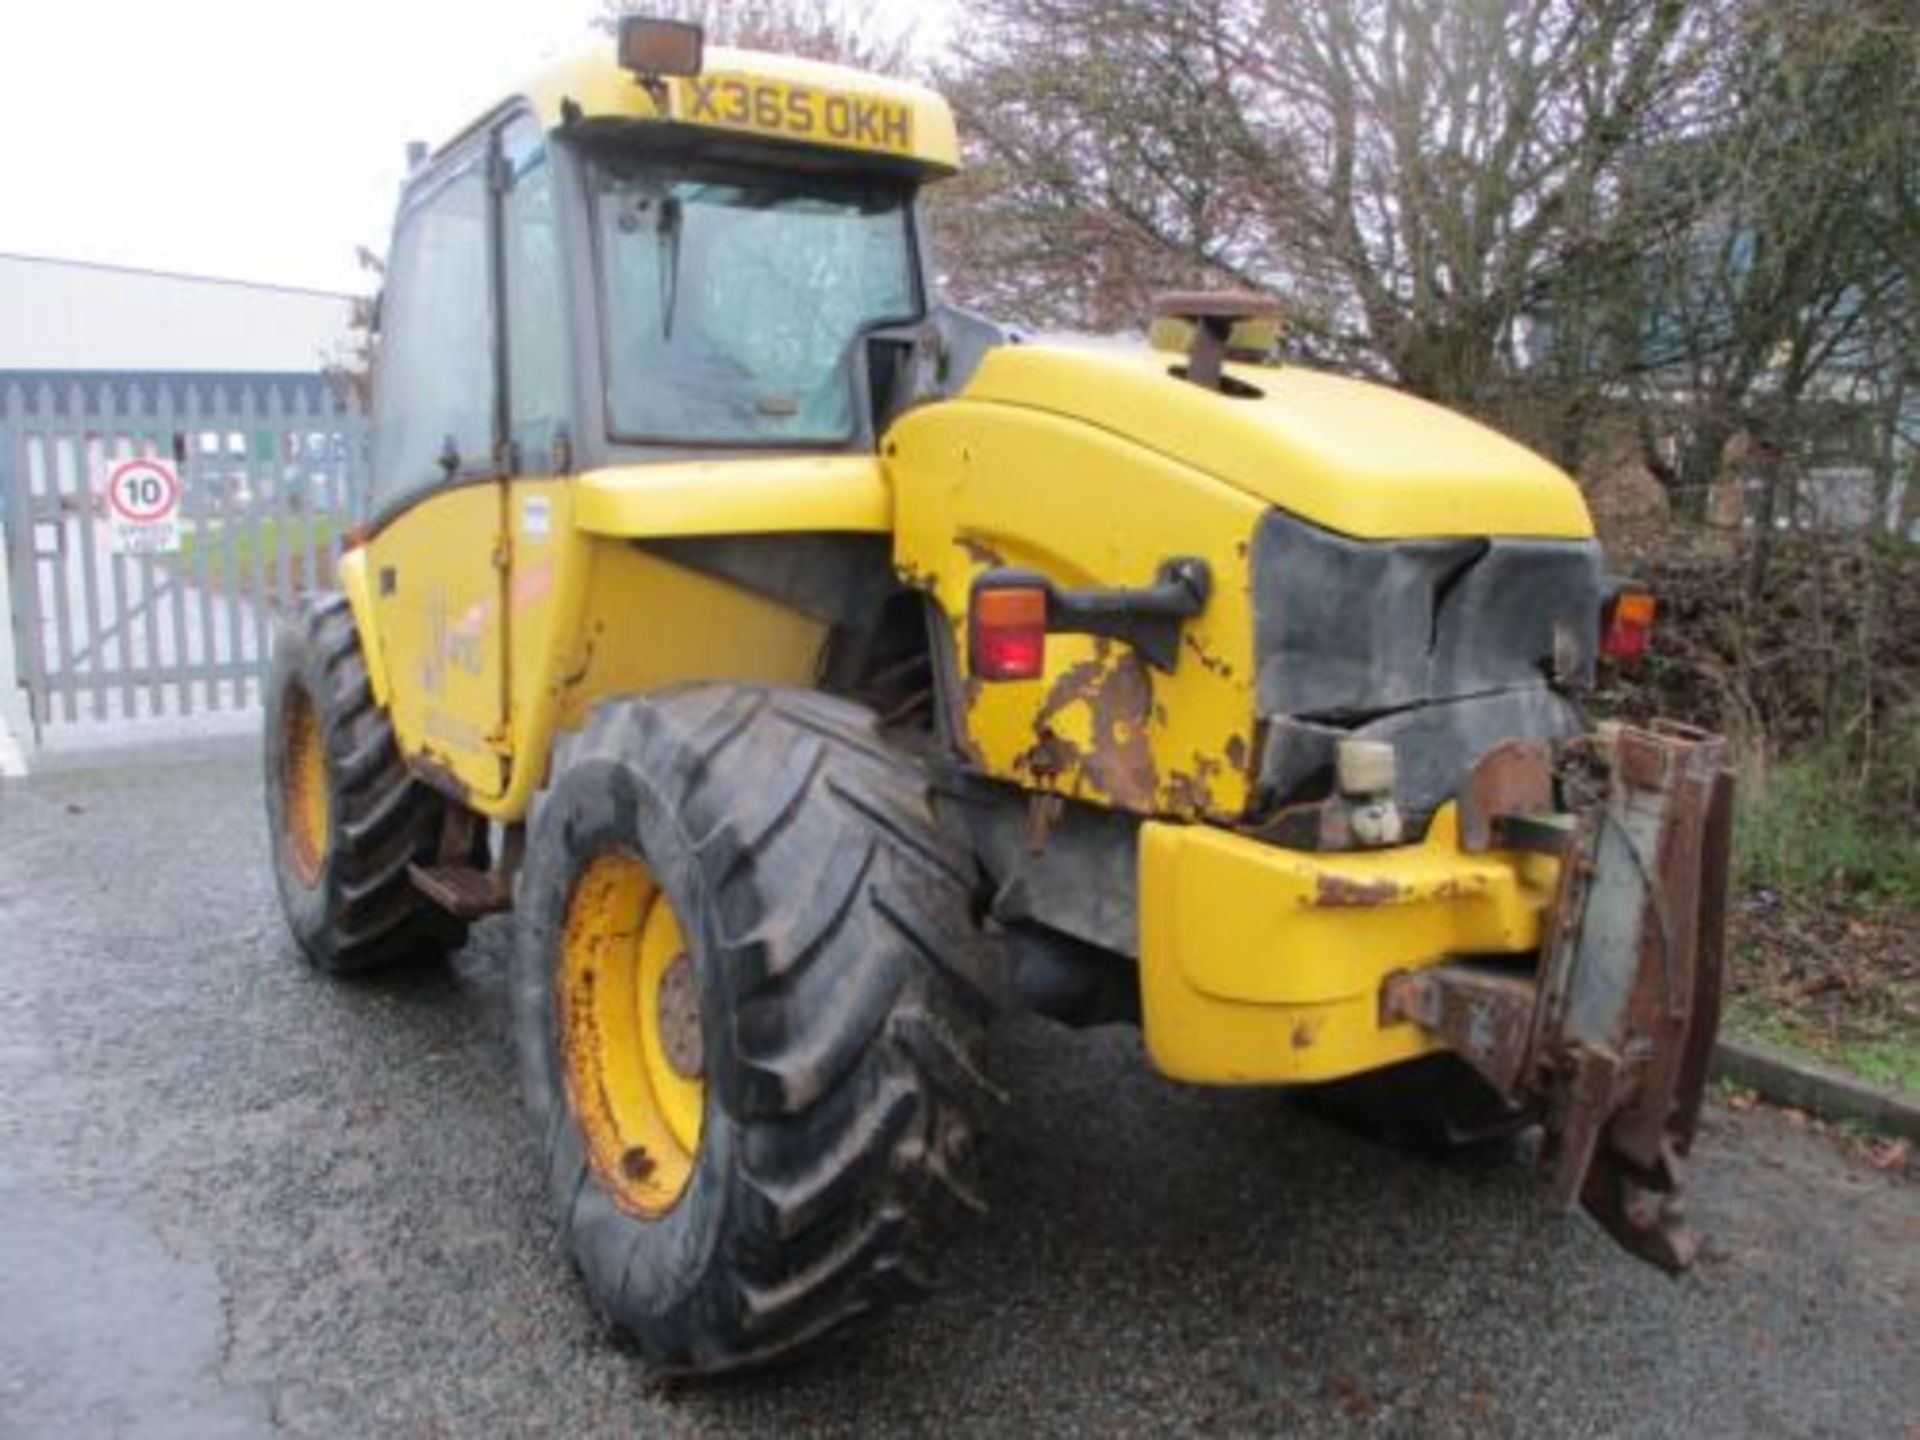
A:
(751, 93)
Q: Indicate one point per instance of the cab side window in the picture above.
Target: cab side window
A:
(537, 374)
(434, 384)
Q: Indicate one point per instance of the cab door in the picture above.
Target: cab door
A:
(437, 554)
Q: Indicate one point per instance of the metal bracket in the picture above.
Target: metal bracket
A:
(1485, 1015)
(1609, 1043)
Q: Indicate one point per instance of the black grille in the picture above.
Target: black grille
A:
(1350, 629)
(1442, 647)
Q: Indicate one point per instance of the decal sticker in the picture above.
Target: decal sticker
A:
(536, 517)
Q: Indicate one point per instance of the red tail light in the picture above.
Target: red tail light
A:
(1626, 625)
(1008, 627)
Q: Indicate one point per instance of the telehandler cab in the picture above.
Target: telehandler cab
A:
(817, 672)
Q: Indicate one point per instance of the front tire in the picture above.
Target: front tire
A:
(345, 816)
(834, 976)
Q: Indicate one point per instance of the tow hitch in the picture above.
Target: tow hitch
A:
(1609, 1041)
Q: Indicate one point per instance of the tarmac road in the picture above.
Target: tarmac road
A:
(237, 1200)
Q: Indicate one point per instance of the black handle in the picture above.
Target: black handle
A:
(1148, 618)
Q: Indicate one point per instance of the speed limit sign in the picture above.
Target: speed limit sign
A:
(143, 501)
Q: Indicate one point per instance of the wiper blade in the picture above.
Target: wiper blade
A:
(668, 229)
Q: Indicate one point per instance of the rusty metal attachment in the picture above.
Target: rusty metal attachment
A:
(1609, 1043)
(1225, 323)
(457, 886)
(1514, 780)
(1487, 1016)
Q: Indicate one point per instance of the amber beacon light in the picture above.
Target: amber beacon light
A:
(1626, 624)
(653, 48)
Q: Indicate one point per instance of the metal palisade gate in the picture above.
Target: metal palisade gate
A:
(156, 524)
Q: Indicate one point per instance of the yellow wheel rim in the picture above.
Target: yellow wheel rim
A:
(303, 786)
(630, 1035)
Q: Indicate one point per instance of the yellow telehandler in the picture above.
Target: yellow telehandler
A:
(817, 672)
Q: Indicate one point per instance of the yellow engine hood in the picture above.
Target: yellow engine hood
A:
(1353, 457)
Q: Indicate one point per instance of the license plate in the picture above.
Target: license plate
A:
(798, 112)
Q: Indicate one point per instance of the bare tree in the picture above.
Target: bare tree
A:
(1564, 215)
(1776, 292)
(1415, 177)
(350, 368)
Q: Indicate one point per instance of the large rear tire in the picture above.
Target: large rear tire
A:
(345, 816)
(748, 1156)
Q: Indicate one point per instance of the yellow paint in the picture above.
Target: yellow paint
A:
(587, 614)
(737, 497)
(592, 616)
(441, 635)
(1260, 965)
(1347, 455)
(641, 1117)
(303, 782)
(358, 588)
(981, 485)
(593, 80)
(1093, 467)
(648, 623)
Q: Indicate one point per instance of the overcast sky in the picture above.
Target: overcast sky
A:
(252, 139)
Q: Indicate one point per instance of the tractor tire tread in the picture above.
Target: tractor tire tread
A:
(856, 1084)
(384, 819)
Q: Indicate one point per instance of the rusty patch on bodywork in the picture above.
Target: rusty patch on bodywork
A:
(1461, 887)
(1118, 694)
(1051, 757)
(1345, 892)
(1121, 760)
(915, 577)
(966, 695)
(1209, 662)
(1075, 684)
(1191, 791)
(981, 553)
(1188, 795)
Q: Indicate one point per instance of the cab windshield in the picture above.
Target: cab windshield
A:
(731, 300)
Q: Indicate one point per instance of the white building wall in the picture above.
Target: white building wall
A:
(68, 315)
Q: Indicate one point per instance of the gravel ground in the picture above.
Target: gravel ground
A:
(237, 1199)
